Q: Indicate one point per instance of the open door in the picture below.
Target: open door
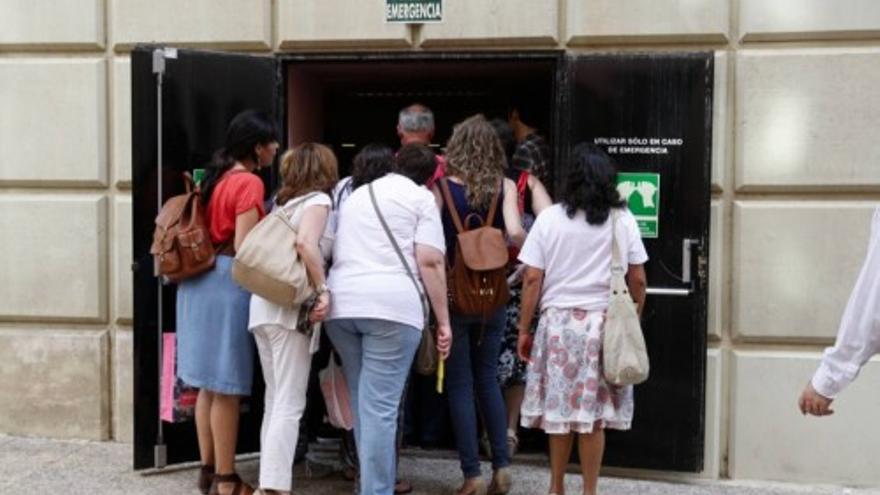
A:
(653, 114)
(182, 102)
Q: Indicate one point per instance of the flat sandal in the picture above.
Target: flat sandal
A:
(240, 488)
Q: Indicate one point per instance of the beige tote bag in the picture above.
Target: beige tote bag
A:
(625, 354)
(267, 263)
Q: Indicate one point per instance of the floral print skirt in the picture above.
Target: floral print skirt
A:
(565, 389)
(512, 370)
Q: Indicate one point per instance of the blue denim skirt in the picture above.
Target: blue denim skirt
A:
(215, 350)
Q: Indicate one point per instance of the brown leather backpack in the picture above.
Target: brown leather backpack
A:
(477, 280)
(182, 246)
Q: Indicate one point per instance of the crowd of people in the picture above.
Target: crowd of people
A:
(381, 248)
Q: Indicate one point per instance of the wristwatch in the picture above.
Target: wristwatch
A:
(322, 289)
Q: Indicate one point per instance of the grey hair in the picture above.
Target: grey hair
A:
(416, 118)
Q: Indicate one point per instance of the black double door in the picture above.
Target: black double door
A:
(183, 100)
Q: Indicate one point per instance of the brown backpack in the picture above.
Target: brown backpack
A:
(477, 279)
(182, 246)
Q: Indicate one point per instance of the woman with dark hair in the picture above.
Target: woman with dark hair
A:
(532, 199)
(215, 349)
(372, 162)
(566, 394)
(387, 258)
(475, 186)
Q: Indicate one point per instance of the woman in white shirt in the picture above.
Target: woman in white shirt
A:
(308, 172)
(568, 266)
(377, 316)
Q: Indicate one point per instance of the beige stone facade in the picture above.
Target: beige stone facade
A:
(796, 173)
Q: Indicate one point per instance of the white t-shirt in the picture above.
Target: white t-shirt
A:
(264, 312)
(576, 256)
(367, 279)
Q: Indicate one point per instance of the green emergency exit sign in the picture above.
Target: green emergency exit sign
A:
(642, 194)
(413, 11)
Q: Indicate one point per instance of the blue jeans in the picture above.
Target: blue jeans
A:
(376, 358)
(473, 364)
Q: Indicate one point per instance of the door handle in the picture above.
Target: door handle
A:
(687, 258)
(669, 291)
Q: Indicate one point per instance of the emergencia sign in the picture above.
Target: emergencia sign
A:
(413, 11)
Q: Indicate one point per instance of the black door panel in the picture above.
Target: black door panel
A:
(201, 93)
(622, 101)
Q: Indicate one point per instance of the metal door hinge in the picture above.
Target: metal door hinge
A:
(159, 56)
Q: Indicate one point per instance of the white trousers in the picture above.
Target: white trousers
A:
(286, 361)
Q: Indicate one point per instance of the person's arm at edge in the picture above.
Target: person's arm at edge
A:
(540, 197)
(510, 210)
(533, 281)
(244, 222)
(637, 282)
(311, 228)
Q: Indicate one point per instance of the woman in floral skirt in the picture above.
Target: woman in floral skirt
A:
(568, 269)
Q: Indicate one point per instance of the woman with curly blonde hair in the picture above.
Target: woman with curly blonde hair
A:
(475, 183)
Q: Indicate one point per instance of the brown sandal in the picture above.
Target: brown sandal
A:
(206, 476)
(240, 488)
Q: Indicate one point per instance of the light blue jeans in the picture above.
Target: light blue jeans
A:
(376, 359)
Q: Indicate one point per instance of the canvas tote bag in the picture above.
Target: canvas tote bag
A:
(267, 263)
(625, 358)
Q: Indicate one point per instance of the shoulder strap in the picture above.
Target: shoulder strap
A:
(345, 187)
(616, 255)
(288, 207)
(450, 205)
(412, 277)
(493, 207)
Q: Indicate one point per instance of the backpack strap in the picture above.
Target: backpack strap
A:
(493, 207)
(450, 205)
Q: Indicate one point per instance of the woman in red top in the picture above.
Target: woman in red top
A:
(215, 349)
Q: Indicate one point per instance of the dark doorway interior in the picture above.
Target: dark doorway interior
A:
(349, 104)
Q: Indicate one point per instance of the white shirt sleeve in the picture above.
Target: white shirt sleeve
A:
(858, 338)
(429, 226)
(533, 252)
(635, 249)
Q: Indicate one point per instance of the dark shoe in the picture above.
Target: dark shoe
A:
(239, 487)
(501, 482)
(402, 486)
(206, 476)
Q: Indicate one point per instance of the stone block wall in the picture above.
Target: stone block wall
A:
(796, 174)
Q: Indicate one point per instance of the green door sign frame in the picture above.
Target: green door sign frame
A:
(642, 194)
(413, 11)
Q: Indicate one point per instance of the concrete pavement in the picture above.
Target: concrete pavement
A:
(29, 465)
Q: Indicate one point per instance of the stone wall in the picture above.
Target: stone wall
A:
(796, 172)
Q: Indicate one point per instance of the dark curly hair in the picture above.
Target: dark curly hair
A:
(372, 162)
(591, 185)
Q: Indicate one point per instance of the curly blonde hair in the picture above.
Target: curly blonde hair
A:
(306, 168)
(474, 154)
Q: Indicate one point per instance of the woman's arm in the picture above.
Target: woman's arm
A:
(510, 209)
(540, 197)
(637, 282)
(244, 222)
(311, 228)
(432, 268)
(533, 281)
